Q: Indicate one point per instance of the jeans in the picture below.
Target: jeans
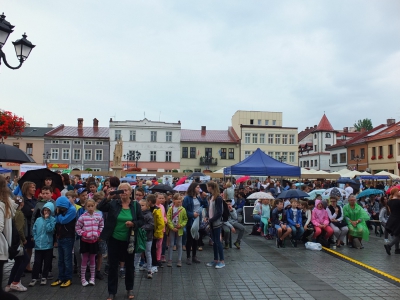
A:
(117, 250)
(257, 218)
(217, 245)
(18, 268)
(42, 258)
(297, 232)
(191, 243)
(147, 253)
(172, 236)
(164, 244)
(65, 246)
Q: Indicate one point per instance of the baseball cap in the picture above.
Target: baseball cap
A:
(78, 186)
(81, 190)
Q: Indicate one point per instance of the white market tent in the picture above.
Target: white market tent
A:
(393, 176)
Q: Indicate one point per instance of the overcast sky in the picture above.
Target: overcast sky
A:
(200, 61)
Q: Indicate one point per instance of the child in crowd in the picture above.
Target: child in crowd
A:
(294, 220)
(43, 231)
(21, 260)
(311, 204)
(232, 225)
(161, 246)
(278, 217)
(88, 227)
(46, 194)
(65, 230)
(265, 218)
(92, 189)
(72, 196)
(98, 197)
(320, 220)
(306, 220)
(158, 231)
(149, 227)
(177, 219)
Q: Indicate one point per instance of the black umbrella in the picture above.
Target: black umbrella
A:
(196, 174)
(203, 187)
(293, 194)
(13, 154)
(38, 176)
(345, 180)
(161, 188)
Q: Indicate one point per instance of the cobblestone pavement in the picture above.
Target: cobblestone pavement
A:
(258, 271)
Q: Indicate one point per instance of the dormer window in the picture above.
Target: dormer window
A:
(327, 135)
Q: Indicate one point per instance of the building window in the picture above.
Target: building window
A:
(315, 148)
(266, 122)
(334, 158)
(208, 152)
(99, 143)
(77, 142)
(291, 139)
(312, 163)
(65, 142)
(247, 138)
(168, 136)
(315, 135)
(65, 154)
(255, 138)
(277, 155)
(77, 154)
(96, 169)
(168, 156)
(16, 145)
(315, 163)
(88, 142)
(277, 139)
(327, 135)
(184, 152)
(284, 139)
(380, 150)
(117, 135)
(352, 154)
(259, 122)
(29, 148)
(132, 135)
(54, 142)
(270, 153)
(192, 152)
(270, 138)
(231, 153)
(262, 138)
(373, 151)
(99, 154)
(54, 154)
(153, 156)
(88, 154)
(343, 158)
(390, 150)
(247, 154)
(251, 122)
(153, 136)
(273, 122)
(284, 156)
(223, 153)
(362, 152)
(291, 157)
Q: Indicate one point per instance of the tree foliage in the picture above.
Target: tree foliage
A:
(10, 124)
(364, 123)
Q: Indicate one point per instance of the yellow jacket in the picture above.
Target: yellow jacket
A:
(182, 219)
(158, 223)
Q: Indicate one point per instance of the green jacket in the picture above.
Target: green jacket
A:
(19, 219)
(182, 219)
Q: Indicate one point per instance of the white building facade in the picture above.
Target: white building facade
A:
(157, 142)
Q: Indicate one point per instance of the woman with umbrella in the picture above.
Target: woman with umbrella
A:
(48, 181)
(30, 201)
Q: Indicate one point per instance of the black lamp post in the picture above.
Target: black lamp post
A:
(23, 47)
(46, 157)
(357, 159)
(134, 155)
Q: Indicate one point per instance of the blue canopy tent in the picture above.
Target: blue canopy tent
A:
(373, 177)
(261, 164)
(3, 170)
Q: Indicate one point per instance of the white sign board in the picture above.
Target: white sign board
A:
(85, 176)
(205, 178)
(167, 179)
(25, 168)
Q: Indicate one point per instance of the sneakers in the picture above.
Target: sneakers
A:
(219, 265)
(386, 241)
(154, 270)
(99, 275)
(259, 229)
(32, 283)
(84, 282)
(188, 261)
(66, 283)
(211, 264)
(149, 275)
(18, 287)
(195, 260)
(179, 264)
(169, 264)
(91, 282)
(43, 281)
(143, 267)
(122, 272)
(50, 276)
(237, 244)
(55, 283)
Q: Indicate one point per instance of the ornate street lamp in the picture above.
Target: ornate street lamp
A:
(46, 157)
(357, 159)
(23, 47)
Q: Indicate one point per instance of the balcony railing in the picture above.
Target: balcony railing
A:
(205, 161)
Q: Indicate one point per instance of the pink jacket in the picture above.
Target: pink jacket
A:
(319, 216)
(89, 227)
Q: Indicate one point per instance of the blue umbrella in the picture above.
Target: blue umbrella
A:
(292, 194)
(369, 192)
(3, 170)
(345, 180)
(313, 194)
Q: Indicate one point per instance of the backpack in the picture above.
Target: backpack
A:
(13, 248)
(225, 211)
(254, 231)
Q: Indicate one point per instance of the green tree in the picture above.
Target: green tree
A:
(364, 123)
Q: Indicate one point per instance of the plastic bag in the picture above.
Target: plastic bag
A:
(195, 229)
(313, 246)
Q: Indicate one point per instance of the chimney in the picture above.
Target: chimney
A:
(203, 130)
(390, 122)
(95, 123)
(345, 129)
(179, 122)
(80, 123)
(362, 130)
(315, 126)
(307, 128)
(49, 125)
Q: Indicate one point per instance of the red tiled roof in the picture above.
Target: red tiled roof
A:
(348, 134)
(391, 131)
(84, 132)
(304, 133)
(210, 136)
(324, 125)
(363, 136)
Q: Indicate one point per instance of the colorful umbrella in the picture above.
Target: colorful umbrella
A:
(182, 187)
(396, 186)
(181, 180)
(260, 195)
(369, 192)
(243, 179)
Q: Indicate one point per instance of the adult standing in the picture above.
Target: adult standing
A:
(336, 217)
(124, 215)
(393, 223)
(49, 182)
(348, 189)
(67, 184)
(28, 193)
(193, 205)
(356, 217)
(7, 212)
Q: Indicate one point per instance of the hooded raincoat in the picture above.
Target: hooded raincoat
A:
(43, 229)
(319, 216)
(354, 214)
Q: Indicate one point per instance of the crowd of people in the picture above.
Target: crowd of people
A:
(94, 223)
